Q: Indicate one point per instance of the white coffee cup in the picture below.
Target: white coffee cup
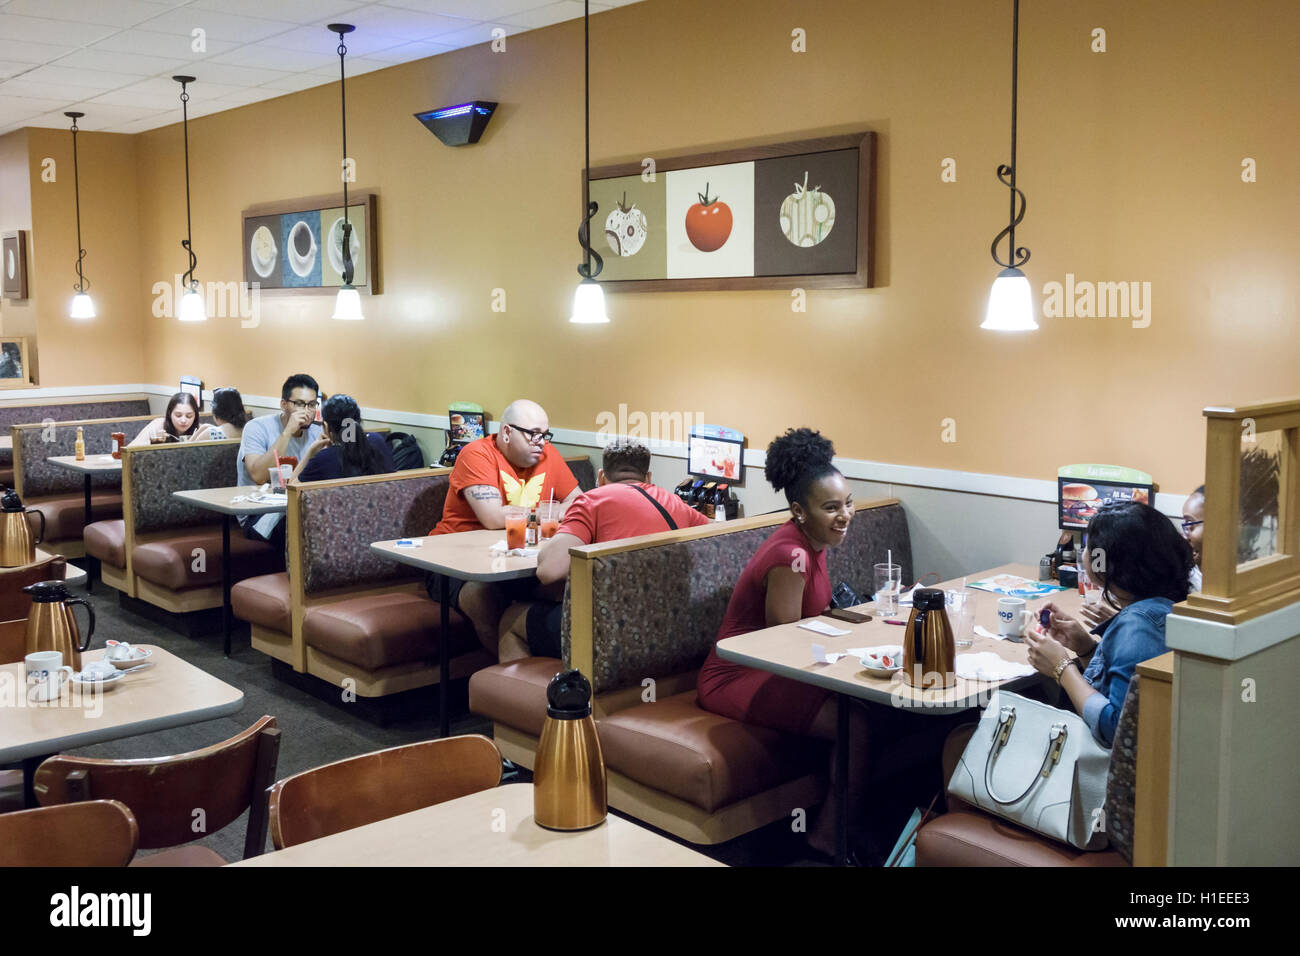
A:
(1011, 617)
(45, 678)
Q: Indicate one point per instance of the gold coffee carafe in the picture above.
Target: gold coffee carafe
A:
(569, 775)
(929, 651)
(51, 625)
(17, 546)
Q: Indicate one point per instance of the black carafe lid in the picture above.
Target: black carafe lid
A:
(928, 599)
(11, 502)
(568, 696)
(47, 592)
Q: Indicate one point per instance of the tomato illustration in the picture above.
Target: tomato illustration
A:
(708, 222)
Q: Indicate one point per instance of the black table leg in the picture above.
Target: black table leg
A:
(444, 656)
(225, 581)
(842, 705)
(89, 561)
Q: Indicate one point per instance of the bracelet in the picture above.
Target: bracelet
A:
(1060, 668)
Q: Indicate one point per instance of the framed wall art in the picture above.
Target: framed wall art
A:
(296, 245)
(13, 264)
(785, 215)
(15, 371)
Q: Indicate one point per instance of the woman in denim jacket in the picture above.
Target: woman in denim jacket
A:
(1142, 564)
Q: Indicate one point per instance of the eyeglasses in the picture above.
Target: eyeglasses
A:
(535, 435)
(302, 405)
(1189, 525)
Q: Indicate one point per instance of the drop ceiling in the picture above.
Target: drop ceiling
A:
(113, 59)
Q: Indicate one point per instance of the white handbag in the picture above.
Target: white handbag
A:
(1037, 766)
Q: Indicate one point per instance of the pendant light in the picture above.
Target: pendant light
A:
(82, 306)
(191, 307)
(1011, 301)
(347, 304)
(589, 300)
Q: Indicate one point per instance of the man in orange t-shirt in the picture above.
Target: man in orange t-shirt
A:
(516, 466)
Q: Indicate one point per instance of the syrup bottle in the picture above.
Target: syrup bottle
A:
(81, 445)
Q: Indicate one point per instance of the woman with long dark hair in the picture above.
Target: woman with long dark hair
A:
(346, 450)
(229, 413)
(179, 423)
(1133, 553)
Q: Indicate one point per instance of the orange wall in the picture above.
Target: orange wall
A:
(1130, 159)
(17, 316)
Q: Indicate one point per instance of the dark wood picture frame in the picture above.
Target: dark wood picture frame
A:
(15, 347)
(372, 284)
(864, 141)
(14, 244)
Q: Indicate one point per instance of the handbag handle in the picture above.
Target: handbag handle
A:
(1055, 744)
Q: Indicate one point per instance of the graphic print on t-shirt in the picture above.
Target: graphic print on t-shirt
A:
(521, 494)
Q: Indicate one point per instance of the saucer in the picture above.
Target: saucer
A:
(138, 655)
(874, 660)
(106, 683)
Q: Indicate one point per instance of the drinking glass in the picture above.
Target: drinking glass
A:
(516, 521)
(548, 516)
(961, 615)
(889, 581)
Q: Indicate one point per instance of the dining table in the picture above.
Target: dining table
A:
(492, 827)
(88, 467)
(170, 693)
(788, 650)
(468, 556)
(232, 502)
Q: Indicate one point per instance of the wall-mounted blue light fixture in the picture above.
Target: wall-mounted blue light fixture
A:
(458, 125)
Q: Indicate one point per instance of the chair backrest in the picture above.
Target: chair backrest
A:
(170, 796)
(68, 411)
(150, 473)
(351, 793)
(333, 523)
(35, 477)
(652, 606)
(583, 470)
(1121, 779)
(93, 833)
(15, 606)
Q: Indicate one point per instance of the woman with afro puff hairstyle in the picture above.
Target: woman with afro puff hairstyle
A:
(786, 581)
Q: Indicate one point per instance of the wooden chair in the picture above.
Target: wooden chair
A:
(15, 606)
(94, 833)
(351, 793)
(166, 793)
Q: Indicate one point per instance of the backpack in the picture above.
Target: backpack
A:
(406, 451)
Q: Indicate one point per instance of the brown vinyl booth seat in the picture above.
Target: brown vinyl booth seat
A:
(640, 617)
(163, 550)
(343, 612)
(26, 414)
(967, 836)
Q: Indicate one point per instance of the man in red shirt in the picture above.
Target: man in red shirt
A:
(516, 466)
(623, 505)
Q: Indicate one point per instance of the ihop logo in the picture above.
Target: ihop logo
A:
(1006, 615)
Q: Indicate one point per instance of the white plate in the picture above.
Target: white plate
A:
(106, 684)
(138, 656)
(874, 667)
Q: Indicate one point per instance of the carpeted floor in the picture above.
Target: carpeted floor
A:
(315, 732)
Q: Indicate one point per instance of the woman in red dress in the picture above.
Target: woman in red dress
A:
(786, 581)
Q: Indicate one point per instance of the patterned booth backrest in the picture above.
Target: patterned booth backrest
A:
(338, 520)
(68, 411)
(1121, 780)
(584, 471)
(34, 443)
(152, 473)
(873, 533)
(656, 610)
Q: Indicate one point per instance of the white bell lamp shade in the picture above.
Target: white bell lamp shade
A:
(192, 308)
(347, 305)
(1011, 304)
(82, 307)
(589, 304)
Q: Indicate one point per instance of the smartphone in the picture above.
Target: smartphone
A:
(843, 614)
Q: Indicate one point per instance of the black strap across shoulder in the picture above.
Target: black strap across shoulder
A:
(672, 525)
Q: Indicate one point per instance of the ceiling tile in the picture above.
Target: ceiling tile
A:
(68, 33)
(18, 52)
(419, 50)
(479, 33)
(405, 25)
(152, 43)
(316, 39)
(276, 58)
(57, 73)
(217, 25)
(211, 71)
(21, 107)
(298, 11)
(98, 117)
(550, 14)
(116, 13)
(293, 82)
(22, 86)
(110, 61)
(10, 68)
(147, 122)
(469, 9)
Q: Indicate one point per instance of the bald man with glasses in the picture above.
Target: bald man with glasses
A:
(516, 466)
